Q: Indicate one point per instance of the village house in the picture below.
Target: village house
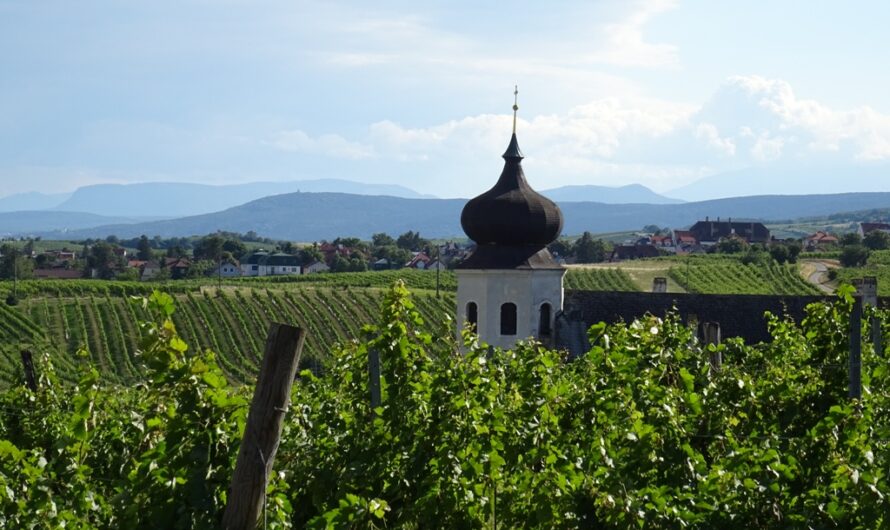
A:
(420, 261)
(149, 270)
(178, 267)
(262, 263)
(819, 240)
(228, 269)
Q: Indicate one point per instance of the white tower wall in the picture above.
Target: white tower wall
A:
(529, 289)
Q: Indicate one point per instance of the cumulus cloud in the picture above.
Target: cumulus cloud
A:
(771, 121)
(748, 121)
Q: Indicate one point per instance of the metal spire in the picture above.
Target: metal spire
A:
(515, 105)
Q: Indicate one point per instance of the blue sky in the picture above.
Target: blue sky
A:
(659, 92)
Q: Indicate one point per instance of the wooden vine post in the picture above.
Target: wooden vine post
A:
(711, 332)
(28, 368)
(271, 398)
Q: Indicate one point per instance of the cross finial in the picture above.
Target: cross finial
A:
(515, 105)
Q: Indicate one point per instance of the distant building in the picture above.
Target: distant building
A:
(819, 240)
(625, 252)
(709, 232)
(228, 269)
(57, 274)
(865, 228)
(178, 267)
(262, 263)
(149, 270)
(315, 266)
(419, 261)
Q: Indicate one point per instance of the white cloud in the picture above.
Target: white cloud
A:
(326, 144)
(619, 140)
(624, 42)
(774, 122)
(711, 136)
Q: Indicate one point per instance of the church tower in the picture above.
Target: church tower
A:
(510, 287)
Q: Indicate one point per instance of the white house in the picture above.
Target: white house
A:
(262, 263)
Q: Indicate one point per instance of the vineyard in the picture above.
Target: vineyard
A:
(730, 276)
(231, 322)
(596, 279)
(878, 266)
(640, 432)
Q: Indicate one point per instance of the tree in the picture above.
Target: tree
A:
(209, 247)
(143, 249)
(103, 260)
(731, 245)
(310, 255)
(14, 264)
(411, 240)
(851, 238)
(877, 240)
(779, 253)
(652, 229)
(560, 247)
(339, 264)
(854, 255)
(382, 240)
(589, 250)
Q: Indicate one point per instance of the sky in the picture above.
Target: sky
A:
(611, 92)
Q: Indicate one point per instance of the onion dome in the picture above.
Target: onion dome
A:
(512, 213)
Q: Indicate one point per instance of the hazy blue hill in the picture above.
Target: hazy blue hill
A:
(632, 193)
(39, 222)
(310, 216)
(808, 179)
(31, 200)
(168, 199)
(313, 216)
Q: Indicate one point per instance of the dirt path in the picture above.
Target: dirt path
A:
(816, 272)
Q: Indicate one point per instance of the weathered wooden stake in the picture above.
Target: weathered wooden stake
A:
(711, 332)
(264, 422)
(856, 349)
(28, 365)
(867, 287)
(374, 377)
(659, 284)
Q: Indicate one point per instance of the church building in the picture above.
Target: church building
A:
(510, 288)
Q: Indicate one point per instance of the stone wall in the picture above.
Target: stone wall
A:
(738, 315)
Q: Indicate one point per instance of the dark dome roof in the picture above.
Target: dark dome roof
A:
(512, 213)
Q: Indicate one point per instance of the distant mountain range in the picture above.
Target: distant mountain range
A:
(778, 179)
(630, 194)
(167, 199)
(34, 222)
(32, 200)
(314, 216)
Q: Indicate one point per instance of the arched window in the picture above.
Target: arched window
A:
(544, 320)
(508, 319)
(472, 315)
